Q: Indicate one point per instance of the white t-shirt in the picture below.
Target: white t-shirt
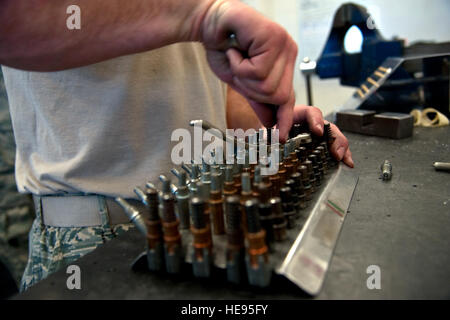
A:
(106, 128)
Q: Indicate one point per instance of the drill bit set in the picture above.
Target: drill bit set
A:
(231, 216)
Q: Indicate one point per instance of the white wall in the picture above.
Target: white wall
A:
(309, 22)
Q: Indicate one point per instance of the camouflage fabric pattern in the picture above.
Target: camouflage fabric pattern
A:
(51, 248)
(16, 210)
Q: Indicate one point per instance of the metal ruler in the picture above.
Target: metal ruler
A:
(308, 259)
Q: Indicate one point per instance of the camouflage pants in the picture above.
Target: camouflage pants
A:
(51, 248)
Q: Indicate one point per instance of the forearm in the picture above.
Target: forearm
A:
(34, 35)
(240, 114)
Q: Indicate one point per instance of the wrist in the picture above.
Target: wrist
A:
(192, 27)
(213, 26)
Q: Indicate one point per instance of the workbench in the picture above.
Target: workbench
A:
(401, 225)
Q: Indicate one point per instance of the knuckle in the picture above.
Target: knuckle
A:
(257, 71)
(281, 38)
(279, 32)
(292, 47)
(295, 49)
(241, 72)
(344, 142)
(316, 111)
(267, 87)
(282, 96)
(261, 73)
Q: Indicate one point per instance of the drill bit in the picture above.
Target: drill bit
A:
(323, 158)
(279, 222)
(282, 173)
(275, 182)
(310, 173)
(302, 154)
(265, 213)
(229, 188)
(257, 257)
(216, 205)
(327, 155)
(293, 155)
(206, 176)
(237, 177)
(141, 195)
(182, 203)
(288, 207)
(320, 164)
(294, 193)
(235, 252)
(246, 194)
(202, 258)
(155, 241)
(172, 237)
(315, 166)
(215, 169)
(306, 184)
(443, 166)
(203, 192)
(386, 170)
(165, 185)
(134, 215)
(193, 177)
(287, 161)
(299, 190)
(256, 181)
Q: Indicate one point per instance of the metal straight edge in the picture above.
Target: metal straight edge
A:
(307, 261)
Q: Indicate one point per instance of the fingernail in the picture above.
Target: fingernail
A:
(340, 152)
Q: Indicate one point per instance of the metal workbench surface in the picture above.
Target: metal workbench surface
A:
(402, 226)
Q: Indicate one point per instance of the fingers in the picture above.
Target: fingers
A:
(347, 159)
(285, 117)
(220, 65)
(340, 148)
(260, 65)
(273, 90)
(260, 62)
(248, 68)
(267, 77)
(312, 115)
(264, 112)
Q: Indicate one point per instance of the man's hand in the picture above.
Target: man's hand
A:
(313, 116)
(240, 115)
(260, 67)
